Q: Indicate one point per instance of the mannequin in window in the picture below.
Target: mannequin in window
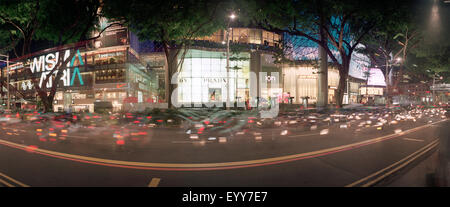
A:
(213, 96)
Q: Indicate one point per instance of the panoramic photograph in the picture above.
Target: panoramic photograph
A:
(224, 93)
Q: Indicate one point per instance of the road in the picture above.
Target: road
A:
(289, 154)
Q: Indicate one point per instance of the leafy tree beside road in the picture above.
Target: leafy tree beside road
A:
(335, 25)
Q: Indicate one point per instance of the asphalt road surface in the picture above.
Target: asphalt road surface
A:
(338, 153)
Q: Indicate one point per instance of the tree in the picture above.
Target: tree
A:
(411, 39)
(60, 22)
(335, 25)
(8, 38)
(22, 16)
(388, 43)
(175, 24)
(429, 59)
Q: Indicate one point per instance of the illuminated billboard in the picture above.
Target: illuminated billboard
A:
(376, 77)
(41, 66)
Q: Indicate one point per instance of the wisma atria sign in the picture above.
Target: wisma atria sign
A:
(44, 64)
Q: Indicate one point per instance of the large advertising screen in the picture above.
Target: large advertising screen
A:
(376, 77)
(42, 67)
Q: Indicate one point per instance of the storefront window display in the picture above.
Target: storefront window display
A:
(301, 81)
(203, 78)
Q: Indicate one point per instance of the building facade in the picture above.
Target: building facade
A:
(106, 70)
(131, 75)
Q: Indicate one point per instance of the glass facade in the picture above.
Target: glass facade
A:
(156, 64)
(203, 78)
(215, 37)
(301, 81)
(246, 36)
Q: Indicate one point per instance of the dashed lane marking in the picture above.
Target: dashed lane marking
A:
(415, 140)
(154, 182)
(304, 135)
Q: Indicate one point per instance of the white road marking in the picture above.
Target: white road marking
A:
(154, 182)
(303, 135)
(416, 140)
(189, 142)
(82, 137)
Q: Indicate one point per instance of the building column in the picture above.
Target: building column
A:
(322, 80)
(255, 67)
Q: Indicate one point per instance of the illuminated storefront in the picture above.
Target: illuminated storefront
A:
(301, 81)
(203, 78)
(372, 90)
(352, 94)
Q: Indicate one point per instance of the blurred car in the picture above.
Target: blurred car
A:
(10, 120)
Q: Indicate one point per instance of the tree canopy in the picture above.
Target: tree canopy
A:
(58, 22)
(429, 60)
(167, 20)
(335, 25)
(23, 22)
(173, 23)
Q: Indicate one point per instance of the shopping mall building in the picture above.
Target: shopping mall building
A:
(131, 75)
(105, 70)
(203, 75)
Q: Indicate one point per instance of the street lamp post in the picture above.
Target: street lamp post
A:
(228, 66)
(236, 87)
(434, 81)
(348, 91)
(232, 16)
(387, 82)
(434, 86)
(367, 84)
(9, 94)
